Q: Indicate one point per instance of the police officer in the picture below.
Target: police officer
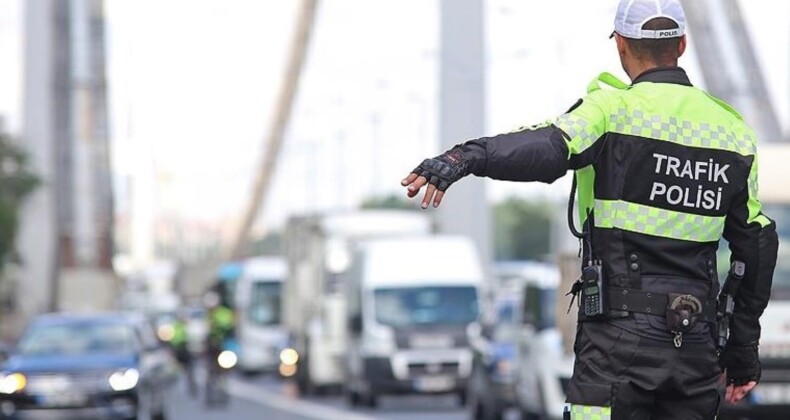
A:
(221, 323)
(664, 171)
(180, 346)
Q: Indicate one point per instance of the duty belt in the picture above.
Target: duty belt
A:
(632, 300)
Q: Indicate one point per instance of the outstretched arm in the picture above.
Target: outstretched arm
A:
(528, 155)
(538, 153)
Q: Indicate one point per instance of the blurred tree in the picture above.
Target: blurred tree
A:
(522, 229)
(392, 201)
(16, 182)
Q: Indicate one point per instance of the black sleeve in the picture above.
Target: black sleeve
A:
(539, 154)
(753, 240)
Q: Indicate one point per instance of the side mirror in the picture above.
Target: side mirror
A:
(356, 324)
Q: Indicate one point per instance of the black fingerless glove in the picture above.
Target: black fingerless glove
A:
(443, 170)
(742, 364)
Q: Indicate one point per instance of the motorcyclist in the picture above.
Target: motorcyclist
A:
(221, 325)
(180, 346)
(221, 322)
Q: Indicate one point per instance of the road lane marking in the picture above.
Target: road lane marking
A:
(281, 402)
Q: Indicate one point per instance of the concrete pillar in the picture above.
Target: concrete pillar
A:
(465, 210)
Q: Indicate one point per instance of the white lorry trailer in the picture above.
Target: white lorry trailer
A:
(259, 329)
(411, 303)
(318, 252)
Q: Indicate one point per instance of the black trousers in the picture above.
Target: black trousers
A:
(644, 378)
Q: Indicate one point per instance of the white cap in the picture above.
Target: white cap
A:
(633, 14)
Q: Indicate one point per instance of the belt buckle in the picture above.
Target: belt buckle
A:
(678, 302)
(682, 315)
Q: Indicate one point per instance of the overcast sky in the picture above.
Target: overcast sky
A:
(193, 81)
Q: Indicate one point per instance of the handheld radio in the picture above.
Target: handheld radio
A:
(591, 284)
(593, 300)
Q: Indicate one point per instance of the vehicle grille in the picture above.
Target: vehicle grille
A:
(444, 368)
(83, 381)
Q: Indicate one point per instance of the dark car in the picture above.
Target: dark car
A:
(86, 367)
(491, 389)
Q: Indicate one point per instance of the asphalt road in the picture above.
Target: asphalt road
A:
(269, 398)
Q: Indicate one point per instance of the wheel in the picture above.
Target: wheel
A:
(528, 415)
(497, 413)
(161, 411)
(192, 385)
(303, 378)
(481, 410)
(476, 408)
(209, 396)
(216, 390)
(222, 390)
(352, 397)
(475, 395)
(371, 400)
(144, 407)
(462, 398)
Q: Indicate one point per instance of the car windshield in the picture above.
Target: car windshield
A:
(438, 305)
(78, 338)
(265, 303)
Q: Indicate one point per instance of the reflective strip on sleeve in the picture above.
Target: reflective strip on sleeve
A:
(581, 133)
(589, 412)
(686, 133)
(658, 222)
(753, 202)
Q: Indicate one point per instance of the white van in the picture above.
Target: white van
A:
(319, 249)
(259, 329)
(411, 303)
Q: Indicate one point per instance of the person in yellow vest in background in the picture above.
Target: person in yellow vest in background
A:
(179, 343)
(221, 326)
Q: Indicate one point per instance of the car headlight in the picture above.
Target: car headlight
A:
(12, 383)
(227, 359)
(289, 356)
(166, 332)
(124, 380)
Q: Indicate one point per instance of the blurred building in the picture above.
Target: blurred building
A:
(66, 234)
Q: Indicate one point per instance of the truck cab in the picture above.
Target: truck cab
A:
(410, 320)
(319, 252)
(259, 330)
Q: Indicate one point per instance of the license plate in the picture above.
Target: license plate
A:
(434, 384)
(772, 394)
(62, 399)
